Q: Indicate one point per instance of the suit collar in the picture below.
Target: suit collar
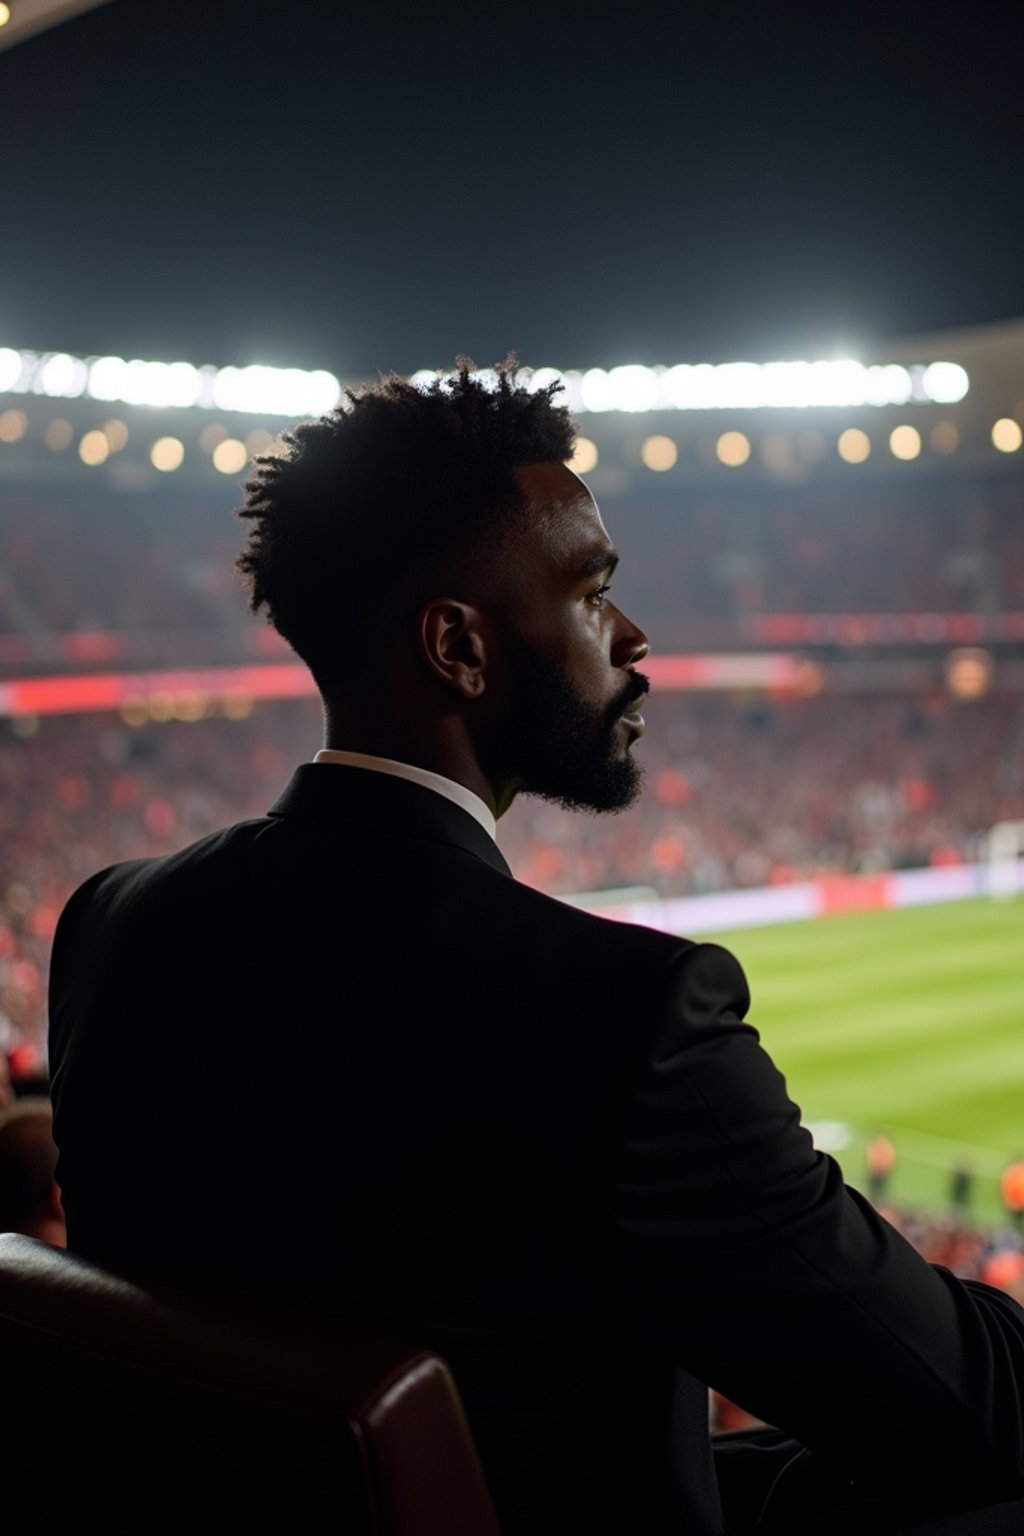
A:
(360, 797)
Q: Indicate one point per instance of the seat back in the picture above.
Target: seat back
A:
(160, 1410)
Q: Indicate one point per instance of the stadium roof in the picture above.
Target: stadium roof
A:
(359, 188)
(27, 17)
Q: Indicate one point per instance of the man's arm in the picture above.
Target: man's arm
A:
(747, 1258)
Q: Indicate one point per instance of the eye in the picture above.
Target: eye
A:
(598, 597)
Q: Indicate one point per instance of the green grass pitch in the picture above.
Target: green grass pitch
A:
(908, 1021)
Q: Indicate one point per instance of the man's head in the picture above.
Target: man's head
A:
(441, 571)
(565, 720)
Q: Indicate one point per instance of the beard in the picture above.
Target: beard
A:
(564, 749)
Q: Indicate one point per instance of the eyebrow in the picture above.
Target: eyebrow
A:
(607, 560)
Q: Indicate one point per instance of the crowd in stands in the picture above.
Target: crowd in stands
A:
(740, 793)
(824, 552)
(922, 547)
(87, 561)
(750, 792)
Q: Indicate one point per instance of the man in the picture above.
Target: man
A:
(541, 1142)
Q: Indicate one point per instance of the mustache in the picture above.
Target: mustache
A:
(637, 687)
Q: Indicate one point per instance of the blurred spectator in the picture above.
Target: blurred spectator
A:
(961, 1187)
(29, 1195)
(1005, 1269)
(880, 1155)
(1011, 1187)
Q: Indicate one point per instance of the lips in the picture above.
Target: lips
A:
(633, 718)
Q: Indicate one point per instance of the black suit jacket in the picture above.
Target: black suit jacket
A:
(339, 1056)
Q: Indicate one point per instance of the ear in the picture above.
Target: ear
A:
(451, 641)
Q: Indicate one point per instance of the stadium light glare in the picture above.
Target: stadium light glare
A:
(488, 377)
(117, 434)
(888, 384)
(634, 388)
(659, 453)
(61, 376)
(141, 383)
(596, 391)
(904, 442)
(631, 387)
(10, 368)
(683, 386)
(13, 425)
(540, 378)
(167, 454)
(854, 446)
(94, 448)
(1007, 435)
(944, 437)
(945, 383)
(733, 449)
(58, 434)
(230, 456)
(740, 386)
(275, 391)
(213, 433)
(584, 456)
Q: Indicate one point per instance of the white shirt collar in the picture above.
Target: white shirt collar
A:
(435, 781)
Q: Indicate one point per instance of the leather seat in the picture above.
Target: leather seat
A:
(134, 1409)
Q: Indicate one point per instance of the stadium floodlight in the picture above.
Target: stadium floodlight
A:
(256, 389)
(742, 385)
(540, 378)
(634, 388)
(795, 385)
(265, 391)
(61, 376)
(10, 368)
(1007, 435)
(888, 384)
(630, 387)
(141, 383)
(596, 393)
(946, 383)
(905, 442)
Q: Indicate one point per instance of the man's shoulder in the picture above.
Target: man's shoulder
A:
(132, 876)
(577, 925)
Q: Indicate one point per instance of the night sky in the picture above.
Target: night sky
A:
(377, 186)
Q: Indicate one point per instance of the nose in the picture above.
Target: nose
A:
(630, 644)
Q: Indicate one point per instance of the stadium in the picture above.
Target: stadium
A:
(826, 553)
(829, 559)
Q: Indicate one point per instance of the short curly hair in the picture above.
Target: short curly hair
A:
(354, 515)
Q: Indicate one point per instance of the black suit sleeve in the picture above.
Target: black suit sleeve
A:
(742, 1251)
